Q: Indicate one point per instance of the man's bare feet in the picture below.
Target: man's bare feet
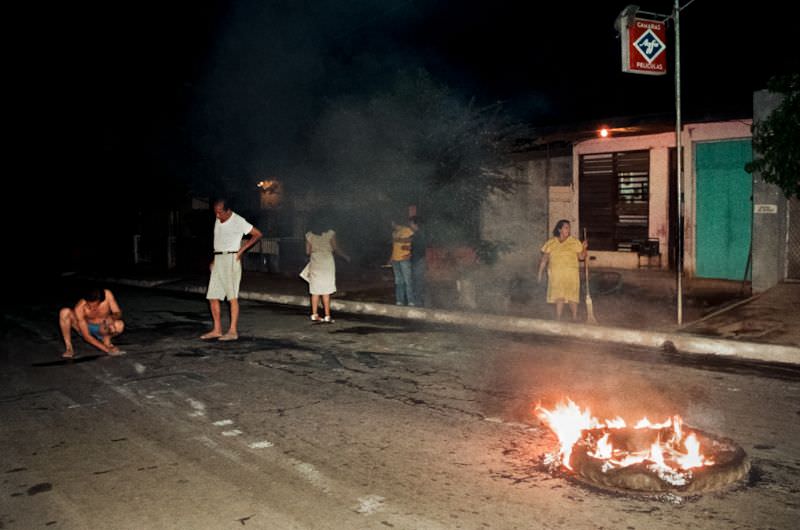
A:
(68, 354)
(229, 336)
(211, 335)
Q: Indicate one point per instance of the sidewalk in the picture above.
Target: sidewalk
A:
(636, 307)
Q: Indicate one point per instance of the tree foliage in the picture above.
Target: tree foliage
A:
(418, 143)
(776, 139)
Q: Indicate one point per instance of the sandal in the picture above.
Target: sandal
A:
(328, 319)
(315, 318)
(229, 336)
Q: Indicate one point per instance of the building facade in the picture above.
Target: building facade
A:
(623, 191)
(776, 220)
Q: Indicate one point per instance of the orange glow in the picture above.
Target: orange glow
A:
(266, 185)
(570, 423)
(603, 132)
(271, 193)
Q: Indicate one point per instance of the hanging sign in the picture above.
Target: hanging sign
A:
(644, 48)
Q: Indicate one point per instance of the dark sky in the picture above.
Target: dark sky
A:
(553, 61)
(137, 89)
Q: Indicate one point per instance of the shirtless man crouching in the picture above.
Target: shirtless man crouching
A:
(97, 318)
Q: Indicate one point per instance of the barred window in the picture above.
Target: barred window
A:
(614, 198)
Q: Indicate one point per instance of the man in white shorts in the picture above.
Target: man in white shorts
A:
(226, 269)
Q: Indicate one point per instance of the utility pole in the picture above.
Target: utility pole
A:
(646, 64)
(676, 17)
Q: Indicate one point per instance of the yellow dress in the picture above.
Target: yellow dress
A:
(563, 270)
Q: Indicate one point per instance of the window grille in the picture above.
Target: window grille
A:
(614, 198)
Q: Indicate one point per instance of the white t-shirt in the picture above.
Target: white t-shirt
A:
(228, 235)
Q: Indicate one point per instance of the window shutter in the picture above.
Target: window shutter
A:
(614, 198)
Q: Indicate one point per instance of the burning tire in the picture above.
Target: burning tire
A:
(730, 466)
(665, 457)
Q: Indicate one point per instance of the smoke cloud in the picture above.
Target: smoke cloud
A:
(353, 131)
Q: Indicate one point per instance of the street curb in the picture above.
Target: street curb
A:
(680, 342)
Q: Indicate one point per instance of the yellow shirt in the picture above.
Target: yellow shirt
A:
(401, 251)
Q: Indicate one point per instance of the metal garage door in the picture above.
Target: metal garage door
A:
(724, 209)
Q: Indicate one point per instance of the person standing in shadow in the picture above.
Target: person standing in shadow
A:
(400, 261)
(419, 246)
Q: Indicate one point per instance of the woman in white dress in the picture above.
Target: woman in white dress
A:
(320, 246)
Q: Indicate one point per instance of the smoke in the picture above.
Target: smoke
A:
(327, 99)
(291, 92)
(596, 378)
(274, 69)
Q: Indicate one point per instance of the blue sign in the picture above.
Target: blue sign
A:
(649, 45)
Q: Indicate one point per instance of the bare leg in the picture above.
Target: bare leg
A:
(326, 304)
(67, 321)
(559, 308)
(234, 329)
(216, 331)
(574, 308)
(314, 304)
(215, 315)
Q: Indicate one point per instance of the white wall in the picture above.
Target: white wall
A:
(659, 146)
(770, 230)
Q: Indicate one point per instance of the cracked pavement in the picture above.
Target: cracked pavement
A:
(364, 423)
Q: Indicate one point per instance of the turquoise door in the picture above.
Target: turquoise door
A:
(724, 209)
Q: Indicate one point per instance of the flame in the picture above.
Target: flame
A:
(693, 458)
(604, 449)
(670, 453)
(568, 422)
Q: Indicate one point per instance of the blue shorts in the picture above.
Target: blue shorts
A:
(94, 329)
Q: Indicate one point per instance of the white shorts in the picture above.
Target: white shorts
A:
(226, 274)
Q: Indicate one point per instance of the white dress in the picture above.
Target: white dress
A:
(322, 268)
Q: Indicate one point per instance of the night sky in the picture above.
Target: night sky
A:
(134, 100)
(252, 76)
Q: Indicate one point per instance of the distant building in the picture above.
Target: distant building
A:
(621, 188)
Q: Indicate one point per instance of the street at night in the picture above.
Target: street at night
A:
(409, 264)
(362, 423)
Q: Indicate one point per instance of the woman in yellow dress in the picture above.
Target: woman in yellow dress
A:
(561, 254)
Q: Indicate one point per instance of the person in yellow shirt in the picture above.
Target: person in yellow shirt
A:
(560, 256)
(400, 261)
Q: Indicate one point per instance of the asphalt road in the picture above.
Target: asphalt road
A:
(363, 423)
